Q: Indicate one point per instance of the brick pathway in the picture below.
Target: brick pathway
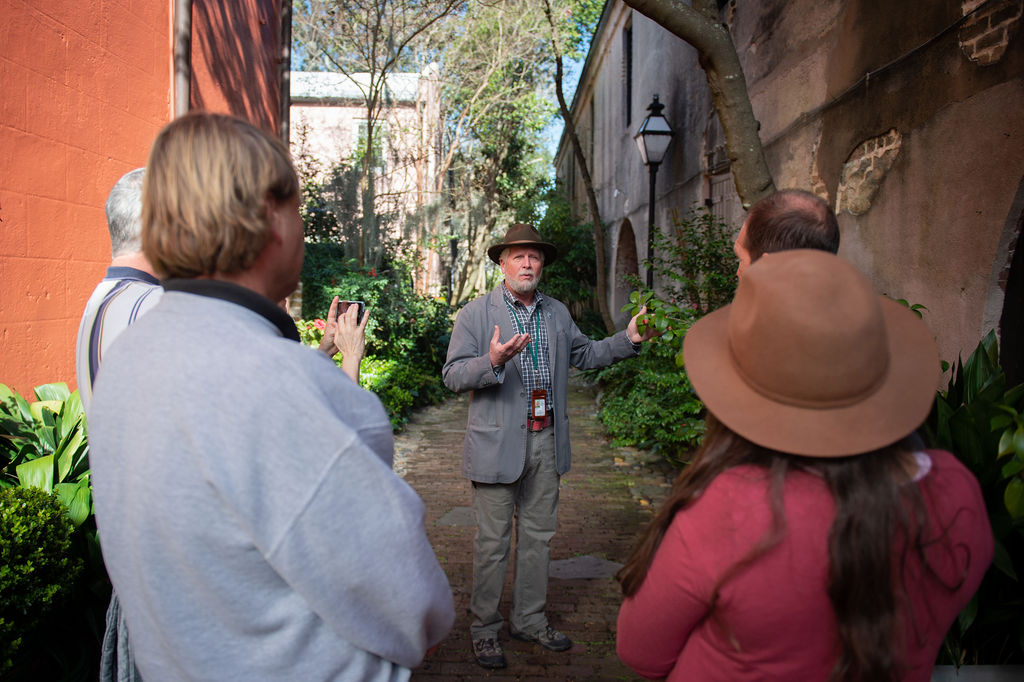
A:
(605, 500)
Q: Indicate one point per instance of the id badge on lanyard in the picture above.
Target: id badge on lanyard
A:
(539, 403)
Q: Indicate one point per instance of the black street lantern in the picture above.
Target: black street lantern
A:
(652, 139)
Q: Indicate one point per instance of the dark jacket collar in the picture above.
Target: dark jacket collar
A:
(239, 295)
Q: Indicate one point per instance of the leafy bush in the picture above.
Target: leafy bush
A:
(696, 269)
(37, 566)
(981, 422)
(403, 325)
(401, 387)
(406, 335)
(696, 264)
(649, 403)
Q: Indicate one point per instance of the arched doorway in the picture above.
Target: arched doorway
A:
(626, 263)
(1004, 307)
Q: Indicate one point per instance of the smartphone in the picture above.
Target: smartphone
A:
(343, 307)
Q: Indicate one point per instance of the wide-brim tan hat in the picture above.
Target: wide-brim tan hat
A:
(809, 360)
(522, 234)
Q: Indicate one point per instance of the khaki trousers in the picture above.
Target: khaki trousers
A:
(533, 502)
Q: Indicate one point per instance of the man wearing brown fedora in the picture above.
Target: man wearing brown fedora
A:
(512, 348)
(784, 220)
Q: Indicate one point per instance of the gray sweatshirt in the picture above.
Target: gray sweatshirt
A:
(248, 514)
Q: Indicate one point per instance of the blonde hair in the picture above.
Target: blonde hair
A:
(204, 206)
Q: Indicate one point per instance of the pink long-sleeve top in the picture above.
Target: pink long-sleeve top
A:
(774, 620)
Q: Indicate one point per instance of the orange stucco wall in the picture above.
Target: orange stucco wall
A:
(86, 85)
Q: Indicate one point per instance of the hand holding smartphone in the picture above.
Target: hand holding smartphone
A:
(343, 307)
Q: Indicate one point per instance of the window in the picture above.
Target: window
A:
(378, 144)
(627, 67)
(590, 141)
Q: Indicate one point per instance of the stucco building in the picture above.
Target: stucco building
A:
(87, 84)
(906, 117)
(328, 124)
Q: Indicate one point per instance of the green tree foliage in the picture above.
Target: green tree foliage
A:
(493, 90)
(568, 22)
(570, 279)
(695, 270)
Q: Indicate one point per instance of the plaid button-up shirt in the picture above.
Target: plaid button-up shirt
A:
(530, 320)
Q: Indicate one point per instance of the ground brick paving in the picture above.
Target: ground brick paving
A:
(605, 500)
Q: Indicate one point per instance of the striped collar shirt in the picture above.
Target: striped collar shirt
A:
(529, 319)
(119, 299)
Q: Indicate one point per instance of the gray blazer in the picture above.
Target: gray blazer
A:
(495, 446)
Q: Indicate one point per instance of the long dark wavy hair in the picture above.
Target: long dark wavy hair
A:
(876, 511)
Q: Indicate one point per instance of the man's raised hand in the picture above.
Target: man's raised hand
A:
(503, 352)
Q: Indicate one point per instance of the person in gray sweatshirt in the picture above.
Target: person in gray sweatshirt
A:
(248, 514)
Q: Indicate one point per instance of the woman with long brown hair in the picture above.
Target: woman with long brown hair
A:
(811, 537)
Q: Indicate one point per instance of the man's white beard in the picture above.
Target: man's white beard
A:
(523, 288)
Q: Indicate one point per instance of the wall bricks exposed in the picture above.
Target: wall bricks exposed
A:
(865, 170)
(985, 36)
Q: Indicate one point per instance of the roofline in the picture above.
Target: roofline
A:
(584, 72)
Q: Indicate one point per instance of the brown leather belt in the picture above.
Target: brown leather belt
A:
(538, 424)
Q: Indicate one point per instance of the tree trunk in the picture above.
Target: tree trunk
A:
(701, 27)
(588, 182)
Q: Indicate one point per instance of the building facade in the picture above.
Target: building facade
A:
(905, 117)
(328, 127)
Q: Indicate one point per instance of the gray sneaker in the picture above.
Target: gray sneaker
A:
(488, 653)
(549, 638)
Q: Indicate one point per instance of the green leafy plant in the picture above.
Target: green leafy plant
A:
(43, 445)
(696, 272)
(915, 308)
(981, 422)
(403, 324)
(311, 332)
(649, 403)
(406, 335)
(401, 387)
(37, 565)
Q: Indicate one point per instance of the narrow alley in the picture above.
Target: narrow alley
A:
(605, 501)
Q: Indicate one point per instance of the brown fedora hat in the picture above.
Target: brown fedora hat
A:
(522, 234)
(809, 360)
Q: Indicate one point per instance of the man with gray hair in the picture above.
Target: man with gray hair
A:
(129, 289)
